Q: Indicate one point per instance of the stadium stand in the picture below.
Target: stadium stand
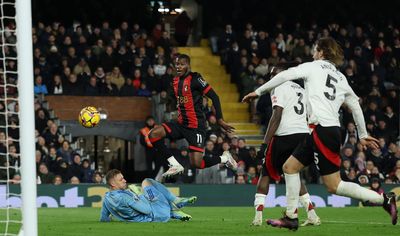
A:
(128, 60)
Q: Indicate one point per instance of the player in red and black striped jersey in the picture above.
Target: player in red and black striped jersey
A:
(189, 89)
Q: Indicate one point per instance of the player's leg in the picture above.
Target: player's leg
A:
(161, 208)
(156, 136)
(305, 200)
(259, 198)
(291, 169)
(180, 215)
(337, 186)
(284, 158)
(160, 188)
(326, 141)
(154, 189)
(178, 201)
(199, 161)
(272, 170)
(302, 156)
(196, 140)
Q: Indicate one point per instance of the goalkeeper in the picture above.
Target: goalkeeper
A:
(153, 202)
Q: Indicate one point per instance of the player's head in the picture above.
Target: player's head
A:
(328, 49)
(115, 180)
(182, 64)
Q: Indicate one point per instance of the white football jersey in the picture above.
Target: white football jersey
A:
(326, 90)
(290, 96)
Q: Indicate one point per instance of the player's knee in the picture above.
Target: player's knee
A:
(331, 188)
(146, 183)
(148, 180)
(262, 190)
(157, 132)
(288, 169)
(197, 164)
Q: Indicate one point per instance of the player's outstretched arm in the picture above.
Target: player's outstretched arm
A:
(277, 80)
(105, 214)
(218, 111)
(225, 126)
(139, 205)
(351, 100)
(250, 97)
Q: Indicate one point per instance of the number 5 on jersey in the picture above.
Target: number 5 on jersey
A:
(329, 84)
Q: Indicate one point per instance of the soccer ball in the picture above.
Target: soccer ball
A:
(89, 117)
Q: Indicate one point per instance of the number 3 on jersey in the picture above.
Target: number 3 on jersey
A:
(329, 84)
(299, 109)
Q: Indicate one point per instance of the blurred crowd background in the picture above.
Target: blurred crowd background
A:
(99, 52)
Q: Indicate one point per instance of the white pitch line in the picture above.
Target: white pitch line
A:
(354, 222)
(322, 221)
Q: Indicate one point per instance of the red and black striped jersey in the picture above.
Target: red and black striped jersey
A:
(189, 91)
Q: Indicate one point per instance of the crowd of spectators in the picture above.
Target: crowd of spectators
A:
(130, 61)
(371, 66)
(101, 61)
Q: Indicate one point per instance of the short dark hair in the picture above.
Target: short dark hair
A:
(184, 56)
(111, 175)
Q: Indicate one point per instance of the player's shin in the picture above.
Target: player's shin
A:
(353, 190)
(259, 200)
(305, 201)
(159, 144)
(292, 194)
(210, 161)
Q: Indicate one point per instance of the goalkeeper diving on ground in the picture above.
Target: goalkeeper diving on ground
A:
(152, 202)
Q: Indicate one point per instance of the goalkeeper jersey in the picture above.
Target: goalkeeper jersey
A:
(125, 205)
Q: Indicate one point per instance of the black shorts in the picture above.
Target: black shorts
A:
(195, 137)
(324, 143)
(279, 150)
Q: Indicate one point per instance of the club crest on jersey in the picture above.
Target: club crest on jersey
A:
(186, 88)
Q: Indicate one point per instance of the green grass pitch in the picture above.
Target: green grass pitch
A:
(213, 221)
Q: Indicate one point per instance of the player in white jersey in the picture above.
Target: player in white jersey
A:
(287, 129)
(326, 90)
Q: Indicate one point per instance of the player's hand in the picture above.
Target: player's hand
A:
(370, 142)
(227, 128)
(250, 97)
(263, 151)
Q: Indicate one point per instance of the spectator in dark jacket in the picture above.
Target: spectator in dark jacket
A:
(88, 173)
(73, 86)
(46, 177)
(65, 151)
(92, 88)
(127, 88)
(143, 91)
(75, 169)
(109, 88)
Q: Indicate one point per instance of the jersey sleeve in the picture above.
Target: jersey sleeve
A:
(278, 97)
(138, 204)
(351, 100)
(105, 213)
(277, 80)
(302, 70)
(200, 83)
